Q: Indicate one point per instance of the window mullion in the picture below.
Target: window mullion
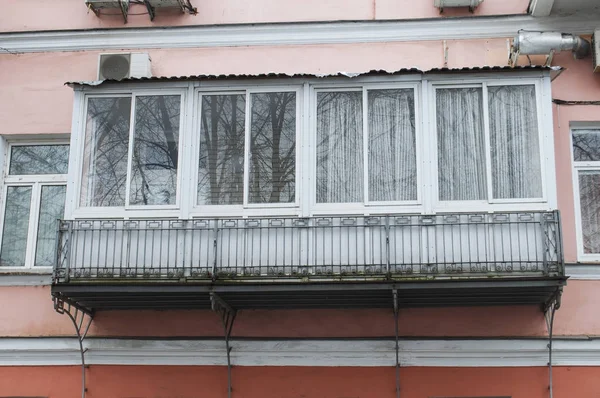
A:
(130, 149)
(488, 149)
(247, 126)
(365, 125)
(34, 216)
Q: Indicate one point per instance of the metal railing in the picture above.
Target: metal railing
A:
(394, 246)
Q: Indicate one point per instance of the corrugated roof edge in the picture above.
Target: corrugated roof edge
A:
(274, 75)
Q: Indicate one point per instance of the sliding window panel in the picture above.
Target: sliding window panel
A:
(155, 154)
(340, 147)
(272, 161)
(39, 159)
(392, 146)
(104, 174)
(514, 142)
(16, 226)
(52, 208)
(221, 163)
(461, 144)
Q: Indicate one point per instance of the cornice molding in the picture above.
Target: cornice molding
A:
(312, 33)
(444, 353)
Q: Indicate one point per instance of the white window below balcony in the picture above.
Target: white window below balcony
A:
(33, 201)
(586, 182)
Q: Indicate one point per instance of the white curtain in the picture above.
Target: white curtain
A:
(392, 149)
(461, 144)
(339, 147)
(514, 142)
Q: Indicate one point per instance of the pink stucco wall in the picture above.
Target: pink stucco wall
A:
(28, 311)
(20, 15)
(306, 382)
(35, 101)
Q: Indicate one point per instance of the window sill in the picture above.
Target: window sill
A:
(16, 278)
(25, 271)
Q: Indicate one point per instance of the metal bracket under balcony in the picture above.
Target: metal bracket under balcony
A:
(320, 262)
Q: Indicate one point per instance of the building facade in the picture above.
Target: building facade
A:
(365, 198)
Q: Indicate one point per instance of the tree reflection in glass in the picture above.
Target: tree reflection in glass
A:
(221, 167)
(155, 150)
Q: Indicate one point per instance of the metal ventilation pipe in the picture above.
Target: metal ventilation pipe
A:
(547, 42)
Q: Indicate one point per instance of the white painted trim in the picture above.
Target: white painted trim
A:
(540, 8)
(589, 272)
(444, 353)
(293, 33)
(582, 167)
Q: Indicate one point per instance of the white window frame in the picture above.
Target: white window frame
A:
(546, 150)
(581, 166)
(78, 150)
(36, 182)
(305, 201)
(366, 206)
(246, 208)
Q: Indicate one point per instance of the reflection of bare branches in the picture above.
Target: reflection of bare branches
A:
(106, 147)
(52, 207)
(221, 168)
(586, 145)
(272, 148)
(16, 224)
(271, 153)
(39, 159)
(155, 152)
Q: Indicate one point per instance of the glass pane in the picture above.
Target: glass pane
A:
(514, 142)
(221, 169)
(589, 197)
(586, 145)
(155, 150)
(339, 147)
(273, 148)
(16, 225)
(461, 144)
(104, 175)
(392, 148)
(52, 208)
(39, 159)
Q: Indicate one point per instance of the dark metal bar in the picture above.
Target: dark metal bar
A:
(74, 313)
(227, 315)
(549, 312)
(395, 297)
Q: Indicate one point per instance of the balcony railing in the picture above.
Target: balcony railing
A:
(388, 247)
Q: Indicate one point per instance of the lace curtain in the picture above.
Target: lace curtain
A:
(392, 149)
(514, 143)
(461, 144)
(339, 147)
(392, 169)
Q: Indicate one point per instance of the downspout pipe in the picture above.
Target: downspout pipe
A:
(530, 43)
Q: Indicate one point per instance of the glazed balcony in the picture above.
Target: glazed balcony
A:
(443, 259)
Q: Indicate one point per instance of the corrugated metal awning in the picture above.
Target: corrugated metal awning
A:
(249, 76)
